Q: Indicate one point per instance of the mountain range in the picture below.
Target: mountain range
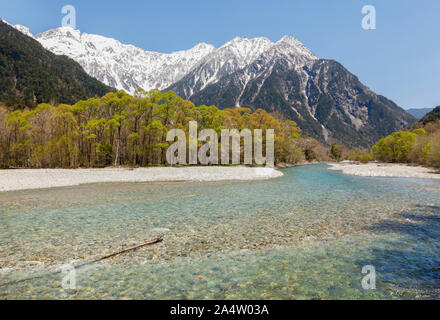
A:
(419, 113)
(284, 77)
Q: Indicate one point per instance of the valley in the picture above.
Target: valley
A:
(327, 102)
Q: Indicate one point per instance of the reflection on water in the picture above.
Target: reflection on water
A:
(305, 235)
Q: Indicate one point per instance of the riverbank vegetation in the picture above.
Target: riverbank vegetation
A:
(418, 146)
(120, 129)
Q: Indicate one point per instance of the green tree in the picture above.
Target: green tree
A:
(335, 152)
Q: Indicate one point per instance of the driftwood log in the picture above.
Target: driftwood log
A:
(90, 261)
(157, 240)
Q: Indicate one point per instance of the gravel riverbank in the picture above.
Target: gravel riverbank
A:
(22, 179)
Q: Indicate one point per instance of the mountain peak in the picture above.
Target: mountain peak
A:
(24, 30)
(246, 41)
(289, 39)
(61, 32)
(288, 42)
(243, 50)
(203, 46)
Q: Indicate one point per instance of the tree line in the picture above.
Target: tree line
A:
(130, 130)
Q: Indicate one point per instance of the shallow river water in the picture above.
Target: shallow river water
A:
(306, 235)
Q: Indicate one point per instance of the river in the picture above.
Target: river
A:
(306, 235)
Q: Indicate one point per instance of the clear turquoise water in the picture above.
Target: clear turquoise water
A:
(306, 235)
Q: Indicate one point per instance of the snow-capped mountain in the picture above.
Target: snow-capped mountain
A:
(251, 57)
(130, 68)
(327, 101)
(245, 59)
(119, 65)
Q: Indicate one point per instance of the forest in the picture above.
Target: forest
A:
(119, 129)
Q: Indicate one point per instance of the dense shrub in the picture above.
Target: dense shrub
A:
(336, 152)
(365, 158)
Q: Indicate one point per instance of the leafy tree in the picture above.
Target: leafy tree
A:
(335, 152)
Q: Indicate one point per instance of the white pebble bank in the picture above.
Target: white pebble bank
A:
(384, 170)
(22, 179)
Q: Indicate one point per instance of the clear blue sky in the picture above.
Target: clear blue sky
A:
(400, 59)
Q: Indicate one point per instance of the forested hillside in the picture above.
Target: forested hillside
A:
(431, 116)
(30, 74)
